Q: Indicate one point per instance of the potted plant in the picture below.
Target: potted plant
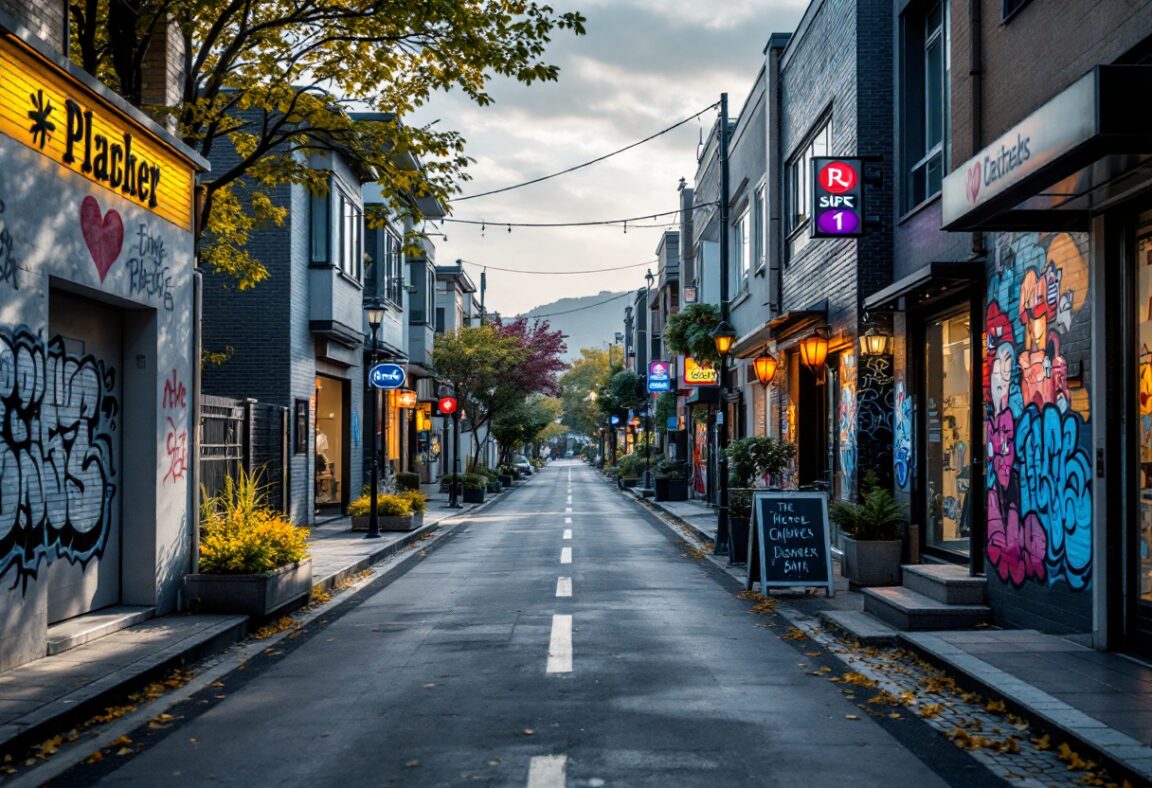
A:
(394, 513)
(671, 481)
(252, 559)
(871, 530)
(506, 475)
(419, 503)
(629, 471)
(474, 488)
(407, 480)
(739, 518)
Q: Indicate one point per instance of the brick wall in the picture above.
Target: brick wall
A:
(45, 18)
(1034, 55)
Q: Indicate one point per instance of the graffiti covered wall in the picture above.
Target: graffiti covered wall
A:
(1038, 428)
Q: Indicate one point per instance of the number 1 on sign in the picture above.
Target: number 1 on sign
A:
(838, 217)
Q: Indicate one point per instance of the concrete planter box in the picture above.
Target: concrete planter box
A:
(258, 596)
(474, 496)
(407, 523)
(628, 484)
(506, 480)
(738, 536)
(871, 563)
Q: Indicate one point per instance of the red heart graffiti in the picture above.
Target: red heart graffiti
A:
(104, 236)
(972, 180)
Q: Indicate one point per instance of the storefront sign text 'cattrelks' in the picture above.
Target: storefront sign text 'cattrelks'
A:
(50, 112)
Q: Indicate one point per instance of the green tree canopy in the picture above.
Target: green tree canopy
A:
(580, 387)
(277, 81)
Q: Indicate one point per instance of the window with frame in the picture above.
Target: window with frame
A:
(925, 102)
(799, 182)
(394, 257)
(320, 223)
(347, 235)
(420, 308)
(741, 248)
(758, 228)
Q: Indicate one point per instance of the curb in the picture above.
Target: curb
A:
(86, 701)
(1120, 753)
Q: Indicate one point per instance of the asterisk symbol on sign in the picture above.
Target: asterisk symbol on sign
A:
(41, 127)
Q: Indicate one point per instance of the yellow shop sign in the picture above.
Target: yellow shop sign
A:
(49, 111)
(697, 374)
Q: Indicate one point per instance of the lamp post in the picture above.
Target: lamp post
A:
(648, 334)
(374, 311)
(723, 335)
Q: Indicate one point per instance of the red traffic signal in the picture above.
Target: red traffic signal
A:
(446, 406)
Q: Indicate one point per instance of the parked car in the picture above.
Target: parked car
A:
(521, 462)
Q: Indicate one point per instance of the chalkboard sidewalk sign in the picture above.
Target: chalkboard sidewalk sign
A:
(788, 541)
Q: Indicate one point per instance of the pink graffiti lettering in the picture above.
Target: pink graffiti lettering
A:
(175, 395)
(176, 446)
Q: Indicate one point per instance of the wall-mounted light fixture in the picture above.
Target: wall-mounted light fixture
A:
(814, 350)
(765, 366)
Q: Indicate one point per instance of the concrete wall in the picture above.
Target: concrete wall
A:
(59, 497)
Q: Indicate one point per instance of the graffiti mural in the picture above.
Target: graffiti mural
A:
(148, 275)
(175, 404)
(8, 264)
(902, 435)
(846, 428)
(1038, 480)
(57, 430)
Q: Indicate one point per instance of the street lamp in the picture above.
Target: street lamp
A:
(648, 336)
(723, 335)
(814, 352)
(875, 343)
(374, 311)
(765, 366)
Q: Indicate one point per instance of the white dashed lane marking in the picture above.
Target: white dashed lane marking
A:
(547, 771)
(560, 645)
(567, 533)
(566, 555)
(567, 521)
(563, 586)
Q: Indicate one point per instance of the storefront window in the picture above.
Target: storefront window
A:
(948, 433)
(329, 440)
(1144, 400)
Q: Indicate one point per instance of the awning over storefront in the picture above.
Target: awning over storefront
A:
(933, 279)
(1088, 147)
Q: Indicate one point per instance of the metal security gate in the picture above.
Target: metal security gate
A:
(246, 434)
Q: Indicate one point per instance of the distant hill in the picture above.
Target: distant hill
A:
(590, 321)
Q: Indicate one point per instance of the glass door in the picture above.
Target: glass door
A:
(947, 403)
(1143, 384)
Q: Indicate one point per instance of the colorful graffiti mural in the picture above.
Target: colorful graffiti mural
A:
(1038, 479)
(7, 256)
(902, 435)
(846, 428)
(57, 428)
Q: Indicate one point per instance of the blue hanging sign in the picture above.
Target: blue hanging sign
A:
(387, 376)
(659, 377)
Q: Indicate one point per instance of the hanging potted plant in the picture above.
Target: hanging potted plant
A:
(253, 560)
(872, 531)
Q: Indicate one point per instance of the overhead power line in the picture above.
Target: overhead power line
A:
(560, 273)
(483, 223)
(582, 308)
(597, 160)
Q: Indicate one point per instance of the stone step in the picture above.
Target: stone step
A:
(67, 635)
(908, 610)
(947, 583)
(862, 626)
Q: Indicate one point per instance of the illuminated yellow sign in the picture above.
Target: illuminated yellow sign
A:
(50, 112)
(697, 374)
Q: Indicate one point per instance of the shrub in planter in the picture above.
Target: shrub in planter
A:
(671, 481)
(474, 487)
(872, 541)
(419, 503)
(252, 559)
(739, 521)
(394, 513)
(406, 480)
(755, 458)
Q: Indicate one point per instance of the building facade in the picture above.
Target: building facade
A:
(98, 348)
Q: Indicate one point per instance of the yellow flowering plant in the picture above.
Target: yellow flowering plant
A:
(386, 506)
(241, 534)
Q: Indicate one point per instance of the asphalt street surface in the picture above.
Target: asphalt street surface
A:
(560, 637)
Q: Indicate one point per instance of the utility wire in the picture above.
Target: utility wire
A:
(597, 160)
(593, 223)
(560, 273)
(582, 308)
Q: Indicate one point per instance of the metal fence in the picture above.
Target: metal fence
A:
(246, 434)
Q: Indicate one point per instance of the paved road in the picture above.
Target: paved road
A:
(462, 671)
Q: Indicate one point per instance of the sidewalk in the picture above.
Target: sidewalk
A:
(46, 697)
(1101, 701)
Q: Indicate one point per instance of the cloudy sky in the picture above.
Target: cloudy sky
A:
(643, 65)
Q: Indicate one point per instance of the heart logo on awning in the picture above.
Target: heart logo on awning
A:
(104, 235)
(972, 180)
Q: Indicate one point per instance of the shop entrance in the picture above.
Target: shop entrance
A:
(1138, 571)
(81, 475)
(332, 441)
(945, 504)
